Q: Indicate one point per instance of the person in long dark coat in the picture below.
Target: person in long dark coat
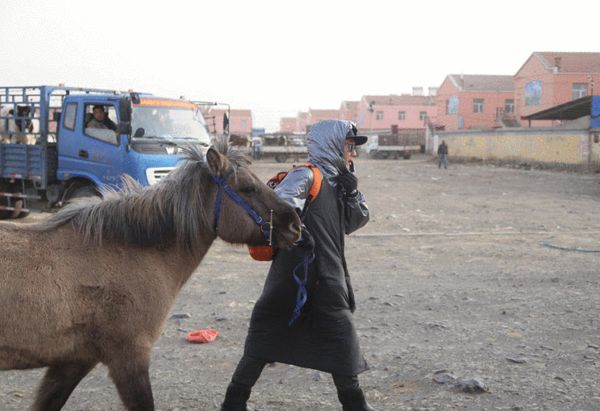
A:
(318, 333)
(443, 154)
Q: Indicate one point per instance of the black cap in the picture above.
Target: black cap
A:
(358, 140)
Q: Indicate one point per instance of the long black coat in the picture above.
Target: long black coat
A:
(323, 337)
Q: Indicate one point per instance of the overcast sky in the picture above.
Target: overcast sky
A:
(278, 57)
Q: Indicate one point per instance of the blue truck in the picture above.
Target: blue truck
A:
(59, 143)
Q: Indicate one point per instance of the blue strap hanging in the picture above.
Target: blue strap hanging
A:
(302, 293)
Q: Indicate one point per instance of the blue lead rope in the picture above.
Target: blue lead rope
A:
(302, 293)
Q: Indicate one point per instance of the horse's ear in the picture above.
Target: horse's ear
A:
(217, 163)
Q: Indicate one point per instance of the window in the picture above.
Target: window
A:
(509, 106)
(100, 123)
(579, 90)
(401, 115)
(422, 115)
(69, 119)
(452, 105)
(533, 92)
(477, 105)
(379, 115)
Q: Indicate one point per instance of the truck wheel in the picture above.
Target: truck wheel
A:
(281, 158)
(407, 156)
(82, 191)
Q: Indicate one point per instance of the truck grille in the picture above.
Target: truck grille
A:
(154, 175)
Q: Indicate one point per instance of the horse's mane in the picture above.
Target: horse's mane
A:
(172, 212)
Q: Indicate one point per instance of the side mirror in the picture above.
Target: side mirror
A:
(139, 132)
(125, 110)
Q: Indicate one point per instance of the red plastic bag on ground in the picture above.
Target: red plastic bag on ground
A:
(202, 336)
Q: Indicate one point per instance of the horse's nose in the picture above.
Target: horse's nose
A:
(296, 229)
(289, 222)
(288, 217)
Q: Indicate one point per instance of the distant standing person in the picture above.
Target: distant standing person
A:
(443, 155)
(257, 145)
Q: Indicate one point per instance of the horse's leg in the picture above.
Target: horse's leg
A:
(58, 384)
(130, 375)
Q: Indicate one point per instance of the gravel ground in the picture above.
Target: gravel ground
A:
(456, 278)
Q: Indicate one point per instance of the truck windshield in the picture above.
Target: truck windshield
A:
(169, 123)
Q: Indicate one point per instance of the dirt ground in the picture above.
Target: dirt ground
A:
(456, 276)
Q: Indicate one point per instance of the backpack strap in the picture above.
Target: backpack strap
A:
(315, 187)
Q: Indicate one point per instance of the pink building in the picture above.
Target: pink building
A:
(349, 110)
(287, 124)
(314, 116)
(240, 121)
(379, 113)
(474, 101)
(548, 79)
(301, 121)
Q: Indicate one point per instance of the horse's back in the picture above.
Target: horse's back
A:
(29, 296)
(59, 294)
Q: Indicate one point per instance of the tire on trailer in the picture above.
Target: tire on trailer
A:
(23, 214)
(84, 191)
(80, 190)
(407, 155)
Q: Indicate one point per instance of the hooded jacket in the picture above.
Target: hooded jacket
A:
(323, 337)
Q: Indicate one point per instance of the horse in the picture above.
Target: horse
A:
(19, 128)
(95, 282)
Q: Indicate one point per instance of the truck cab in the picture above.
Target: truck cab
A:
(87, 139)
(146, 144)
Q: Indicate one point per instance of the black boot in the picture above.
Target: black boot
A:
(354, 400)
(236, 397)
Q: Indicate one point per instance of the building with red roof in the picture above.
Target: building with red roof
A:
(466, 101)
(548, 79)
(380, 113)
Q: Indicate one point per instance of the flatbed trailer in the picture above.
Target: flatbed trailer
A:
(283, 153)
(396, 151)
(49, 150)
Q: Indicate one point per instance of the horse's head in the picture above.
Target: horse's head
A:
(235, 222)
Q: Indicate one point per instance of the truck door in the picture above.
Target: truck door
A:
(88, 145)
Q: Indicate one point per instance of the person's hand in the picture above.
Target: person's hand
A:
(349, 183)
